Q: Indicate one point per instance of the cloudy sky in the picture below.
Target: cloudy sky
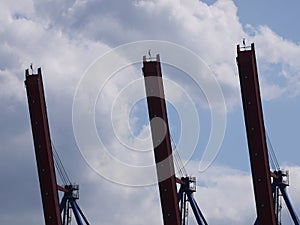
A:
(68, 39)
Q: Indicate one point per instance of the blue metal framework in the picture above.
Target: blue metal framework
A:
(185, 195)
(280, 182)
(68, 203)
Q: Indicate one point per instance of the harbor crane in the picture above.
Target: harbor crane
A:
(266, 183)
(45, 163)
(169, 197)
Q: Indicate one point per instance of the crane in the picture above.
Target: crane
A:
(266, 183)
(162, 145)
(44, 159)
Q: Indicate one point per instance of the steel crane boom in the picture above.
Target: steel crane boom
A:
(161, 141)
(43, 149)
(169, 197)
(44, 158)
(257, 145)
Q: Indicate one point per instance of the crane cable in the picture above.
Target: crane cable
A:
(272, 155)
(59, 167)
(177, 159)
(182, 172)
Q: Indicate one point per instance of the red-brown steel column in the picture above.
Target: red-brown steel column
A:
(42, 145)
(254, 122)
(161, 141)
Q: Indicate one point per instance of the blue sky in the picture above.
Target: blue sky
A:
(66, 38)
(282, 19)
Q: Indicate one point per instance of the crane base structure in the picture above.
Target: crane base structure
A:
(185, 195)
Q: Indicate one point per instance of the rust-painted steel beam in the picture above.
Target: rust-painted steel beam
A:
(43, 149)
(257, 145)
(161, 141)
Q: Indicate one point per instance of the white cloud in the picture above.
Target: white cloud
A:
(274, 51)
(226, 196)
(11, 87)
(210, 31)
(27, 40)
(65, 37)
